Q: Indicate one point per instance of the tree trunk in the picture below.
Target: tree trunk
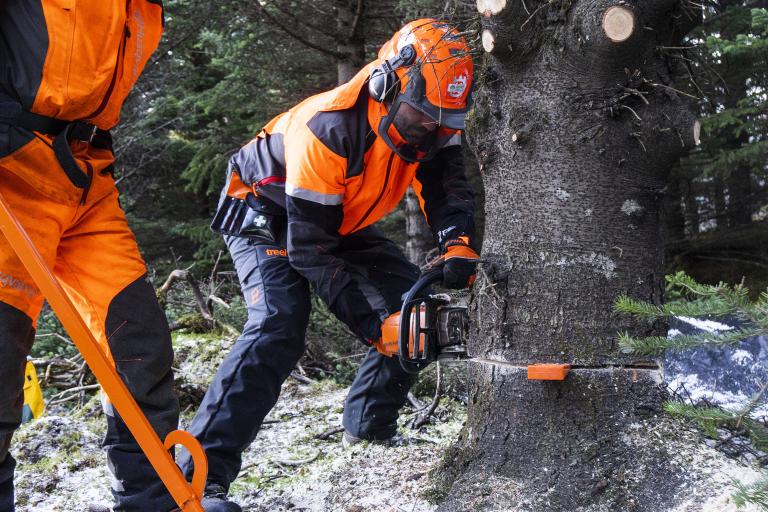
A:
(419, 239)
(351, 38)
(691, 204)
(739, 177)
(673, 209)
(576, 126)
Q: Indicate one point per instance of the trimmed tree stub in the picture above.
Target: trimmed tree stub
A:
(489, 42)
(697, 133)
(618, 23)
(490, 7)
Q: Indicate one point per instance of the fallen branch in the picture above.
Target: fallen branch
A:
(186, 275)
(302, 379)
(296, 463)
(324, 436)
(415, 402)
(422, 419)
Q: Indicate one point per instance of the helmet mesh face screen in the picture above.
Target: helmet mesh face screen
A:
(415, 127)
(413, 134)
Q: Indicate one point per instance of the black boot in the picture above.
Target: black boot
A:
(215, 499)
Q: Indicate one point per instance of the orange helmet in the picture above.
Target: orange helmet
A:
(427, 72)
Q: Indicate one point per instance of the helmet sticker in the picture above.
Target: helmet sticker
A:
(457, 88)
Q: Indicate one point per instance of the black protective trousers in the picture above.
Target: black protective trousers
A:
(140, 345)
(247, 384)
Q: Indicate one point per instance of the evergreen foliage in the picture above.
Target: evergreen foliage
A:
(718, 204)
(756, 493)
(690, 298)
(693, 299)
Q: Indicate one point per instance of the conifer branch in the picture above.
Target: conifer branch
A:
(755, 493)
(656, 345)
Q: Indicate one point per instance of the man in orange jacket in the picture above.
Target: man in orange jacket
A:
(65, 69)
(298, 210)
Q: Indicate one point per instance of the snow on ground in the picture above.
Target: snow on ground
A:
(366, 477)
(61, 467)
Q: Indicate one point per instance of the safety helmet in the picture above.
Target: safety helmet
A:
(426, 70)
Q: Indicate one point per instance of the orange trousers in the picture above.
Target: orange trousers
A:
(93, 253)
(89, 246)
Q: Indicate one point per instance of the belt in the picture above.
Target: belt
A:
(63, 132)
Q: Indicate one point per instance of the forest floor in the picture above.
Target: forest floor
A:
(62, 467)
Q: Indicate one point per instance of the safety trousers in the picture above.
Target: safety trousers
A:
(94, 255)
(247, 384)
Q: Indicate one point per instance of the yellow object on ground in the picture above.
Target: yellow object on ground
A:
(34, 405)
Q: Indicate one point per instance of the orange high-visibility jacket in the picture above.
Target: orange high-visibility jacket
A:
(66, 67)
(324, 162)
(76, 59)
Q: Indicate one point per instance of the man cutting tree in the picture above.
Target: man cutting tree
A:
(298, 210)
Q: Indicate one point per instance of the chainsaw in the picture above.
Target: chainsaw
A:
(439, 321)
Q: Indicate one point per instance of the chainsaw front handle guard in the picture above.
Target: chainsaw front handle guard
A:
(186, 496)
(414, 355)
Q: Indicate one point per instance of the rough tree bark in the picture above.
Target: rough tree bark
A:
(576, 126)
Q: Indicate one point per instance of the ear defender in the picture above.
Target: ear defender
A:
(382, 84)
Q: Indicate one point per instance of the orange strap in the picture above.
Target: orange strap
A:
(186, 496)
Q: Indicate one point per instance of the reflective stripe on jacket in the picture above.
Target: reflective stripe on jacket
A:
(76, 59)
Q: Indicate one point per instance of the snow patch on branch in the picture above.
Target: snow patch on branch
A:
(742, 357)
(705, 325)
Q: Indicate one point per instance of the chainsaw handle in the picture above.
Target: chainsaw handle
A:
(426, 280)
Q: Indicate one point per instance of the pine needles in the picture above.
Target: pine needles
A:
(692, 299)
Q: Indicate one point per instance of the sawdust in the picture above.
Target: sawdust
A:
(56, 476)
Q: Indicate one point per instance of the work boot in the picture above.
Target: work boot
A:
(215, 499)
(348, 441)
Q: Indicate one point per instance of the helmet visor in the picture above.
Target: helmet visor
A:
(415, 135)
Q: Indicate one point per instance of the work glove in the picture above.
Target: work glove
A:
(390, 331)
(460, 264)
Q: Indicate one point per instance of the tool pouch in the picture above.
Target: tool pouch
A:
(243, 214)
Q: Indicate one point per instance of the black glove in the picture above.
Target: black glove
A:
(460, 267)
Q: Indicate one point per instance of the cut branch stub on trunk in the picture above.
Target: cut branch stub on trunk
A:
(618, 23)
(489, 42)
(697, 132)
(490, 7)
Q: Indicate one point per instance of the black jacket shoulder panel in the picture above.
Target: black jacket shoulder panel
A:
(23, 48)
(346, 132)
